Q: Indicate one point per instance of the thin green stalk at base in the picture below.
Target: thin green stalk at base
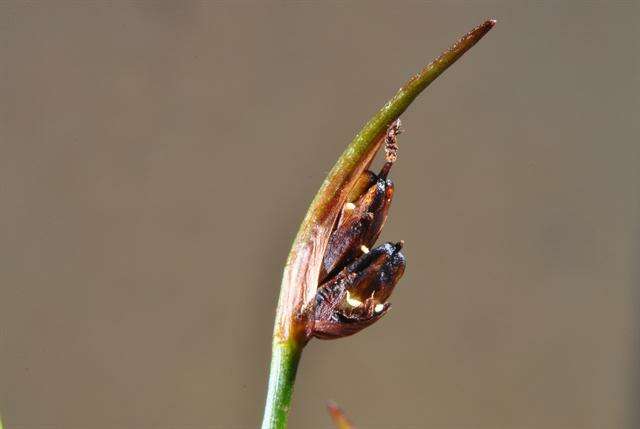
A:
(294, 315)
(282, 375)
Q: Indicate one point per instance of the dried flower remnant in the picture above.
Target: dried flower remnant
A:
(357, 280)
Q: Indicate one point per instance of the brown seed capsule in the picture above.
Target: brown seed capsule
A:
(359, 225)
(356, 297)
(364, 214)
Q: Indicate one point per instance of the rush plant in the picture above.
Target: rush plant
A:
(334, 282)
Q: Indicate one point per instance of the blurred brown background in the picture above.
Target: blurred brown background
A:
(157, 158)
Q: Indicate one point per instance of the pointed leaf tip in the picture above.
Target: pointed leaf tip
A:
(338, 417)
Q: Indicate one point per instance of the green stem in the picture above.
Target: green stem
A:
(282, 374)
(294, 322)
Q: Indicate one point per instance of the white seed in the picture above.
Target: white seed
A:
(354, 302)
(349, 206)
(364, 249)
(378, 308)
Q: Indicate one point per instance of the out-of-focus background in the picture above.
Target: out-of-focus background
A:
(156, 159)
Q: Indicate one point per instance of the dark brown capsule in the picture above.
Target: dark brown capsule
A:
(364, 214)
(360, 222)
(357, 296)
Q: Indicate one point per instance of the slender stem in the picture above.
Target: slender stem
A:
(282, 375)
(294, 323)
